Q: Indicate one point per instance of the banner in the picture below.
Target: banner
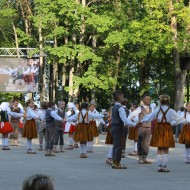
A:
(19, 75)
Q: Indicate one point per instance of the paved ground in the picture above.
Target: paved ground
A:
(72, 173)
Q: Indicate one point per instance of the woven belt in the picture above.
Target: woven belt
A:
(146, 127)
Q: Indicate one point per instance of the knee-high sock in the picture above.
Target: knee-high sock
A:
(29, 144)
(159, 159)
(81, 148)
(90, 145)
(110, 153)
(164, 159)
(70, 141)
(3, 141)
(6, 142)
(135, 146)
(85, 148)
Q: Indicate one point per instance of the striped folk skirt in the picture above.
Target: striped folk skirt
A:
(184, 137)
(82, 133)
(30, 130)
(133, 133)
(162, 136)
(93, 129)
(109, 139)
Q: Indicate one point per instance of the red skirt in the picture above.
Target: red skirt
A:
(184, 137)
(162, 136)
(69, 128)
(5, 127)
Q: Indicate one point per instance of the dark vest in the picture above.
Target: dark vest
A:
(4, 116)
(126, 111)
(49, 118)
(16, 110)
(117, 123)
(59, 124)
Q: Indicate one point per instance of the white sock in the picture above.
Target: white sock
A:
(81, 148)
(89, 145)
(135, 146)
(29, 144)
(6, 142)
(110, 153)
(186, 153)
(164, 159)
(70, 141)
(85, 148)
(159, 159)
(3, 141)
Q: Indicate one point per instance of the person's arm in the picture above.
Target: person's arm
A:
(72, 118)
(56, 116)
(135, 113)
(31, 114)
(14, 114)
(149, 117)
(123, 116)
(95, 115)
(176, 119)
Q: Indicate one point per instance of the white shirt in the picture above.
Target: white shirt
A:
(172, 116)
(90, 116)
(31, 114)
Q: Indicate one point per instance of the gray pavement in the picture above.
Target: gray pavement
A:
(73, 173)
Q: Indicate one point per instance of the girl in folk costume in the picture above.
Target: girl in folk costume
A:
(30, 130)
(5, 127)
(83, 133)
(162, 138)
(93, 127)
(70, 127)
(185, 133)
(133, 132)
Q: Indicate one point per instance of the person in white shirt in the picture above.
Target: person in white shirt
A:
(163, 138)
(30, 129)
(82, 133)
(185, 133)
(144, 132)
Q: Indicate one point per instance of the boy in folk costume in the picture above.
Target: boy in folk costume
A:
(30, 130)
(133, 131)
(5, 127)
(15, 121)
(50, 117)
(42, 124)
(144, 132)
(185, 133)
(119, 120)
(59, 129)
(163, 138)
(83, 133)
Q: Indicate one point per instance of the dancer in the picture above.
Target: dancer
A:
(163, 138)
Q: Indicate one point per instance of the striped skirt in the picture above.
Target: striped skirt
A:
(184, 137)
(162, 136)
(93, 129)
(109, 139)
(133, 133)
(30, 130)
(82, 133)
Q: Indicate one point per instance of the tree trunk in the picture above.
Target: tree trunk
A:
(16, 40)
(180, 75)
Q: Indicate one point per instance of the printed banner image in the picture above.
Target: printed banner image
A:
(19, 75)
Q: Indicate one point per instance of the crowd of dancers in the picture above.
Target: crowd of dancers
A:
(146, 125)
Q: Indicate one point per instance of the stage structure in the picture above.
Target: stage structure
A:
(20, 70)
